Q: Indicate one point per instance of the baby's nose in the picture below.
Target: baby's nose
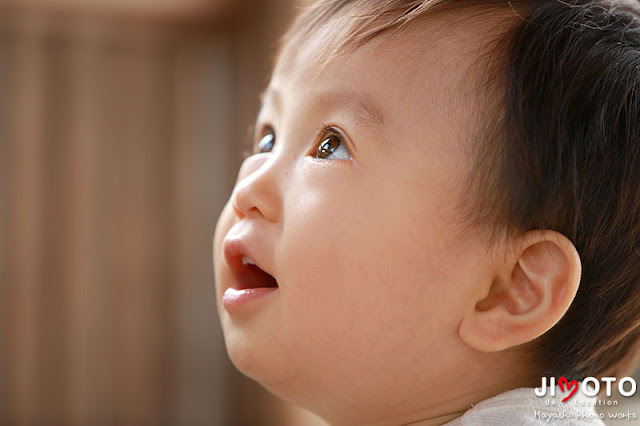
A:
(257, 189)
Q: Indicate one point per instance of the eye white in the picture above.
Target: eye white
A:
(266, 143)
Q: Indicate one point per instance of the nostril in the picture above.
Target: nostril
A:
(237, 211)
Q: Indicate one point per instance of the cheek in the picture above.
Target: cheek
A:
(362, 264)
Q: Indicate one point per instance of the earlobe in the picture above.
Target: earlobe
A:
(533, 287)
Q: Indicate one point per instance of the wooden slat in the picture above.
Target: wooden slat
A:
(98, 381)
(143, 244)
(54, 304)
(4, 230)
(24, 221)
(91, 300)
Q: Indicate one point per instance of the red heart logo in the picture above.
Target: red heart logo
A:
(569, 384)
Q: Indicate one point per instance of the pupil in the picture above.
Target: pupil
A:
(328, 146)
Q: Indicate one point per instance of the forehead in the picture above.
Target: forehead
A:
(431, 68)
(450, 33)
(419, 50)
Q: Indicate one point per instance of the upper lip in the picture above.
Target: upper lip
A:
(235, 250)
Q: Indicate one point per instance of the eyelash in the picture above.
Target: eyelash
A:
(324, 131)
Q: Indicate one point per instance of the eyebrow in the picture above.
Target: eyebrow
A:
(362, 103)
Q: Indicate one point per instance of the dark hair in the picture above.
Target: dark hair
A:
(572, 164)
(561, 152)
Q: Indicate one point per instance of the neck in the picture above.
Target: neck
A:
(438, 413)
(436, 408)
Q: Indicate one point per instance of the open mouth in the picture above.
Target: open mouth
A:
(251, 276)
(249, 282)
(247, 273)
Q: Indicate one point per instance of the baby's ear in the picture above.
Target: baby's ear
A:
(534, 285)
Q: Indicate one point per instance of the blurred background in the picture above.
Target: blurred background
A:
(122, 124)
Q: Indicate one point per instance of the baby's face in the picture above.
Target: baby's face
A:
(351, 208)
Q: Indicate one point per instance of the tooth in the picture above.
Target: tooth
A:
(247, 261)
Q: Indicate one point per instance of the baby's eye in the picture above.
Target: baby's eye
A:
(266, 142)
(332, 145)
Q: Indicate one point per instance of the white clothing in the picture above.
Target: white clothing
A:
(523, 408)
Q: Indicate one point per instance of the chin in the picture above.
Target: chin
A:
(277, 375)
(258, 359)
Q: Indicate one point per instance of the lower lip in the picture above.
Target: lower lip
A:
(234, 299)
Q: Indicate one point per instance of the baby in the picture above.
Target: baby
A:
(441, 211)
